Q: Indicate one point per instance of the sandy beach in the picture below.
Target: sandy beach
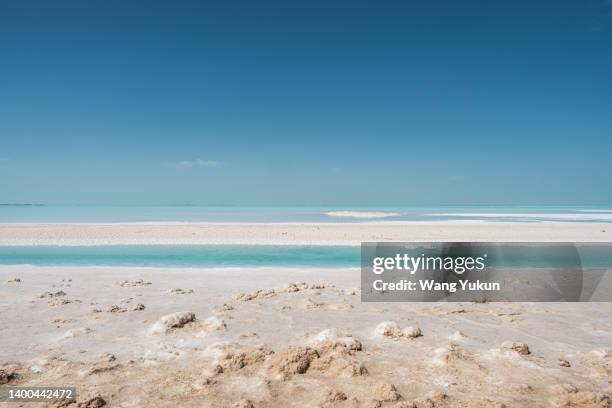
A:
(300, 233)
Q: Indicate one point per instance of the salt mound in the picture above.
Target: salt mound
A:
(441, 356)
(394, 331)
(582, 399)
(601, 354)
(337, 364)
(293, 360)
(411, 332)
(233, 356)
(385, 392)
(435, 399)
(450, 355)
(335, 338)
(77, 332)
(172, 321)
(247, 357)
(457, 336)
(388, 329)
(335, 354)
(214, 323)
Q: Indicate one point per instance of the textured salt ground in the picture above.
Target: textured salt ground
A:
(256, 338)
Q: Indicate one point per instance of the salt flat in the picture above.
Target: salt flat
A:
(300, 233)
(290, 337)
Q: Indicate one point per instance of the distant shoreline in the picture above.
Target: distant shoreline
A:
(300, 233)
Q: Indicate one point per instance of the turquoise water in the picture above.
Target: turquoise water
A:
(183, 255)
(191, 213)
(596, 256)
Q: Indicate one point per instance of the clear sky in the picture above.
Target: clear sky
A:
(339, 103)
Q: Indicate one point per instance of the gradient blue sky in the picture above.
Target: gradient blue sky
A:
(339, 103)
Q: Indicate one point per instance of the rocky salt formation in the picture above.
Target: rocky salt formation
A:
(117, 309)
(214, 323)
(92, 402)
(333, 395)
(172, 321)
(60, 322)
(243, 403)
(453, 357)
(311, 304)
(335, 337)
(295, 287)
(331, 352)
(7, 376)
(435, 399)
(385, 392)
(563, 363)
(293, 360)
(133, 283)
(258, 294)
(231, 359)
(235, 357)
(292, 287)
(139, 307)
(49, 295)
(520, 348)
(224, 308)
(457, 337)
(82, 331)
(62, 302)
(179, 291)
(567, 395)
(106, 358)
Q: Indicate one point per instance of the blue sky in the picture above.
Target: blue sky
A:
(339, 103)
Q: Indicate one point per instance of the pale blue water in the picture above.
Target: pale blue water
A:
(592, 256)
(189, 213)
